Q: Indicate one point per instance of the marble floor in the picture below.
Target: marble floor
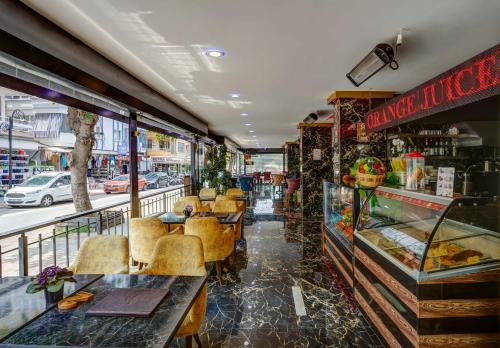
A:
(255, 306)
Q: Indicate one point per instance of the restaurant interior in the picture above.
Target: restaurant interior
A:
(342, 188)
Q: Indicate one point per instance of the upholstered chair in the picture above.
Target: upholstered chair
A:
(231, 192)
(195, 201)
(208, 192)
(241, 204)
(143, 234)
(179, 255)
(102, 255)
(229, 206)
(218, 242)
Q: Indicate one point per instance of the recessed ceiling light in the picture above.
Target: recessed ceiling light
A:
(214, 53)
(251, 131)
(248, 124)
(234, 95)
(244, 114)
(254, 136)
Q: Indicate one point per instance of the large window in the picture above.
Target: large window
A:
(272, 162)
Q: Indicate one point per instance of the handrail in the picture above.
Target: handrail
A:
(83, 213)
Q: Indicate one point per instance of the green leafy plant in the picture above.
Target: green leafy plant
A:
(51, 278)
(215, 172)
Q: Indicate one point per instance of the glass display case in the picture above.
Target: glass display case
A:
(338, 208)
(431, 237)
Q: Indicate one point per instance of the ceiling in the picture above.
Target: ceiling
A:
(284, 56)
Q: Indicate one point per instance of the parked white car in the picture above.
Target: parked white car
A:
(42, 189)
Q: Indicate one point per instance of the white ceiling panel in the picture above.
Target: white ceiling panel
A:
(284, 57)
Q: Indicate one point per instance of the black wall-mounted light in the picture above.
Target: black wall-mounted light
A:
(383, 54)
(312, 117)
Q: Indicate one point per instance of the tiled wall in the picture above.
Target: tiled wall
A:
(315, 171)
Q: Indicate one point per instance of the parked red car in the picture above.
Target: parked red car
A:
(121, 184)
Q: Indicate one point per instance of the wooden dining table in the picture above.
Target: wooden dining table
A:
(26, 320)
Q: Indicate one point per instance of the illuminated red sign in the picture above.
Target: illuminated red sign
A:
(476, 79)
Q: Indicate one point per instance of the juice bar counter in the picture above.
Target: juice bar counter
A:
(427, 270)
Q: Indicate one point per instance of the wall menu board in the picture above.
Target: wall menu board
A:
(476, 79)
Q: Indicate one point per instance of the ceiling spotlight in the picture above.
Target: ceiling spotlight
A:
(312, 117)
(244, 114)
(251, 131)
(383, 54)
(248, 124)
(214, 53)
(254, 136)
(234, 95)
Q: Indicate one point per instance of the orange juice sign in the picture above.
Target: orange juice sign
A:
(476, 79)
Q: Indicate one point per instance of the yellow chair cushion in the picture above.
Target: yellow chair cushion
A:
(218, 243)
(102, 255)
(181, 255)
(143, 234)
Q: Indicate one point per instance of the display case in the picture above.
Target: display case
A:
(429, 267)
(341, 205)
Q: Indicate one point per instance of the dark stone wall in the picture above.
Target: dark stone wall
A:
(293, 159)
(346, 148)
(314, 172)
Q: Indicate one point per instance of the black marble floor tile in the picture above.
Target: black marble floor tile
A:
(255, 307)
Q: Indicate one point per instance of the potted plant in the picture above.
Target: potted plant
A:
(51, 280)
(188, 209)
(215, 172)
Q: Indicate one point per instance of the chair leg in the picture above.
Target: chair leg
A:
(189, 341)
(218, 268)
(197, 339)
(140, 265)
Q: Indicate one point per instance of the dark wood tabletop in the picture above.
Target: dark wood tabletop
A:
(224, 218)
(75, 328)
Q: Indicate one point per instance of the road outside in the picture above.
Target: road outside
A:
(14, 218)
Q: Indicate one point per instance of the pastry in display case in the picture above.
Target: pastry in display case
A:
(429, 267)
(424, 234)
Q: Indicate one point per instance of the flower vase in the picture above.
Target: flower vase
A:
(54, 297)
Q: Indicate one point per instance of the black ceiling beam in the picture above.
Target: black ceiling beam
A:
(268, 150)
(27, 35)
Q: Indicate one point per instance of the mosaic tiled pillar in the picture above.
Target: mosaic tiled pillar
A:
(316, 165)
(292, 158)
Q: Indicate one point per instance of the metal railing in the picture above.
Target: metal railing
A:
(27, 250)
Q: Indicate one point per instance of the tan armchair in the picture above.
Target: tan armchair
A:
(195, 201)
(231, 192)
(208, 192)
(183, 256)
(102, 255)
(218, 242)
(240, 204)
(229, 206)
(144, 233)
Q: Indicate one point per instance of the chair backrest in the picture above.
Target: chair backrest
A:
(267, 175)
(181, 204)
(102, 255)
(223, 198)
(195, 200)
(256, 175)
(177, 255)
(293, 184)
(231, 192)
(225, 206)
(144, 233)
(216, 245)
(277, 179)
(208, 192)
